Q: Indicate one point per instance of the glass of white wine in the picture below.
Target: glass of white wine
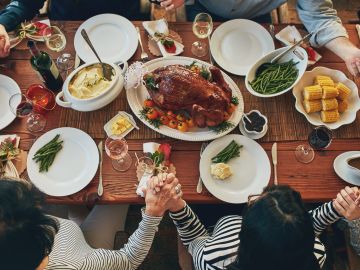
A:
(55, 40)
(202, 28)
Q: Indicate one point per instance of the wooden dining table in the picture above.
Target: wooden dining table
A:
(316, 181)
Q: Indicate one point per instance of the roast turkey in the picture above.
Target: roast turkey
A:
(176, 87)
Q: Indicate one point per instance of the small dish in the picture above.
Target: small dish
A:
(253, 136)
(352, 168)
(342, 169)
(251, 115)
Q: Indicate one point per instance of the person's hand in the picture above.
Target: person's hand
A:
(4, 42)
(171, 4)
(353, 62)
(158, 202)
(347, 203)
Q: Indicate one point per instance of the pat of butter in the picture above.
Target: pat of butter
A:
(221, 171)
(120, 125)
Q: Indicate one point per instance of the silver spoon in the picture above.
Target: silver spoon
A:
(107, 70)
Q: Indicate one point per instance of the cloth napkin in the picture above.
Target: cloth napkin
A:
(10, 169)
(160, 26)
(289, 35)
(151, 148)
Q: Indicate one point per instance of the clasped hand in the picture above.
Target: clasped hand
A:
(347, 203)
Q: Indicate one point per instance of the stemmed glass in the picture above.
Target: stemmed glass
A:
(55, 40)
(202, 28)
(22, 107)
(319, 138)
(117, 149)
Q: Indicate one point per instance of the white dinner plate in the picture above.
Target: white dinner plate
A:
(136, 98)
(251, 171)
(343, 171)
(74, 166)
(8, 87)
(113, 37)
(237, 44)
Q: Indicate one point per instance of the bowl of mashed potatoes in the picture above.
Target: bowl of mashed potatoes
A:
(86, 89)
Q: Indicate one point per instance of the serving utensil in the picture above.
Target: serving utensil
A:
(107, 70)
(263, 66)
(272, 31)
(199, 186)
(144, 56)
(274, 159)
(100, 187)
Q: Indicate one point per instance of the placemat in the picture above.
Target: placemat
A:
(285, 123)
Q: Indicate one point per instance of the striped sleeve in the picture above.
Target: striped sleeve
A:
(133, 253)
(323, 216)
(209, 251)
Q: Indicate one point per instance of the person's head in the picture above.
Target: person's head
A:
(26, 233)
(276, 233)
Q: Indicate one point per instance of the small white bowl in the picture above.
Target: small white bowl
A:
(301, 66)
(253, 132)
(353, 169)
(346, 117)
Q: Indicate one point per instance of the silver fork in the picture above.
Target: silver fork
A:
(200, 183)
(144, 56)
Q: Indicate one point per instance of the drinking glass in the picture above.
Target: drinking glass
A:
(117, 149)
(319, 139)
(22, 107)
(43, 99)
(55, 40)
(202, 28)
(145, 165)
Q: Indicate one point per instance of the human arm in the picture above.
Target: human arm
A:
(324, 216)
(18, 11)
(174, 4)
(320, 17)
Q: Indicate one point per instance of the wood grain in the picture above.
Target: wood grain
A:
(316, 181)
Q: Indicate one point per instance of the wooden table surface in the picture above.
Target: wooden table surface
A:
(316, 181)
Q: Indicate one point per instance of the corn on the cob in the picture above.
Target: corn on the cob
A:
(312, 92)
(330, 116)
(329, 92)
(311, 106)
(344, 91)
(324, 81)
(342, 105)
(329, 104)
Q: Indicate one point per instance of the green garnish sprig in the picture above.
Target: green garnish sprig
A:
(154, 122)
(224, 126)
(229, 152)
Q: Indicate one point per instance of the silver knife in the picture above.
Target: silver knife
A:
(358, 29)
(274, 158)
(100, 187)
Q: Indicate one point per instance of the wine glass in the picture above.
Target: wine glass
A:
(202, 28)
(22, 107)
(43, 99)
(117, 149)
(145, 165)
(319, 138)
(55, 40)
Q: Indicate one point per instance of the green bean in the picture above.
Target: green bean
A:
(46, 154)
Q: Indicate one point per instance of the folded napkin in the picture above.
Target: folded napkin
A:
(290, 35)
(9, 169)
(161, 26)
(147, 148)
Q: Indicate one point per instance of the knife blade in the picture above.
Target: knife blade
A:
(274, 159)
(100, 187)
(358, 29)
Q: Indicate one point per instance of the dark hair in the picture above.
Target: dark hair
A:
(277, 233)
(26, 233)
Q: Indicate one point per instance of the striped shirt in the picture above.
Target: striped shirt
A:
(219, 249)
(71, 252)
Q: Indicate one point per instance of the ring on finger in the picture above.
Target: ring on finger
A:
(178, 189)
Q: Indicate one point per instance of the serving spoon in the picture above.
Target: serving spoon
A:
(107, 70)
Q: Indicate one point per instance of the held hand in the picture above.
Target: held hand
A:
(4, 42)
(158, 203)
(347, 203)
(171, 4)
(353, 62)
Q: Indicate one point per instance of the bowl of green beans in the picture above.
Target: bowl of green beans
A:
(277, 78)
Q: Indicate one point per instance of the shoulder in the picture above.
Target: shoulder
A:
(232, 222)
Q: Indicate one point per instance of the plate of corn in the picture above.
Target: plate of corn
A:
(327, 97)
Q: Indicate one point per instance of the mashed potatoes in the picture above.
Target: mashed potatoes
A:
(221, 171)
(88, 82)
